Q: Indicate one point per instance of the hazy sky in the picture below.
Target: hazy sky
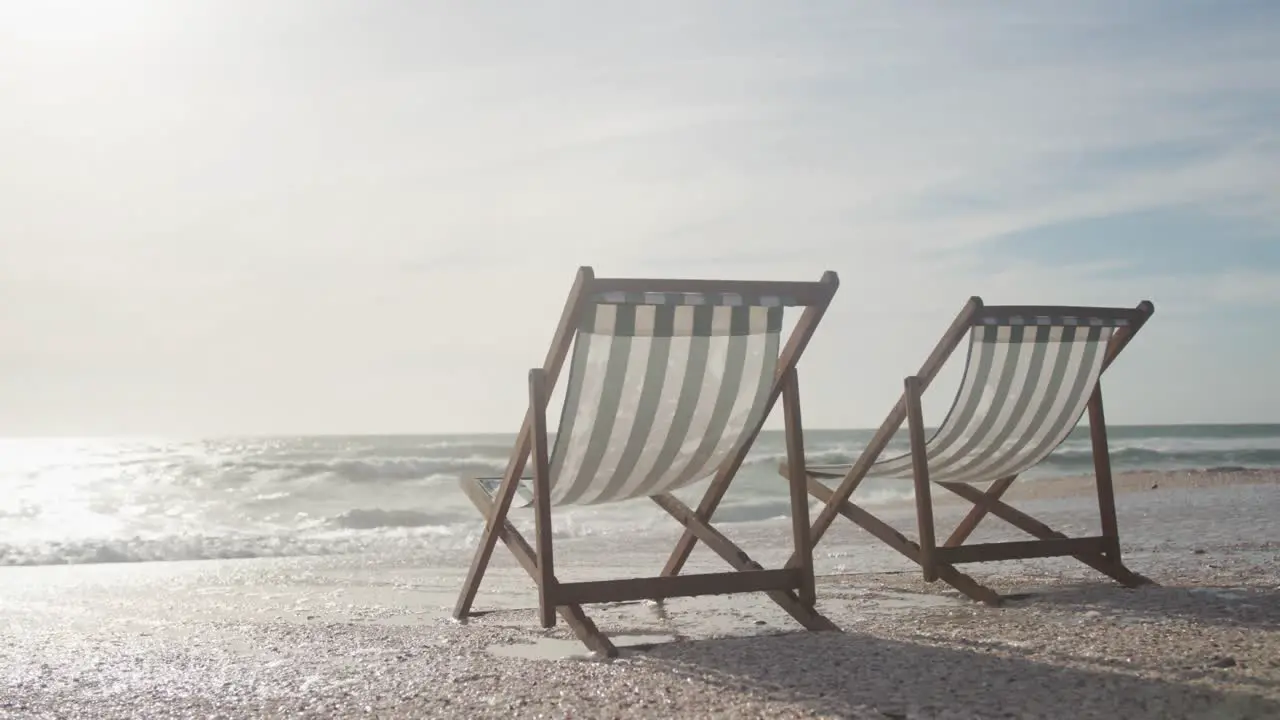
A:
(236, 216)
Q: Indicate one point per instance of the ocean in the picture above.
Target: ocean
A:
(68, 501)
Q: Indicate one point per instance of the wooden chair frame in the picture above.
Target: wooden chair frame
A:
(792, 587)
(938, 562)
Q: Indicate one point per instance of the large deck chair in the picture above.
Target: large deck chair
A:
(1030, 375)
(669, 383)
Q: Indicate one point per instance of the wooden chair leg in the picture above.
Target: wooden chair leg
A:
(978, 513)
(803, 549)
(920, 471)
(484, 550)
(566, 330)
(542, 499)
(1102, 474)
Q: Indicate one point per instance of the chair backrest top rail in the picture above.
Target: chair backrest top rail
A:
(696, 299)
(1061, 315)
(649, 290)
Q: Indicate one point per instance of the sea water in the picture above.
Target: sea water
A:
(137, 500)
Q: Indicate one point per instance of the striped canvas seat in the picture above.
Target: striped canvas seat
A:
(662, 388)
(1026, 384)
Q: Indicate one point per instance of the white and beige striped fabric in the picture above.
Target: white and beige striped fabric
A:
(662, 387)
(1027, 382)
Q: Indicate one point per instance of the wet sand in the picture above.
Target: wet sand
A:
(370, 636)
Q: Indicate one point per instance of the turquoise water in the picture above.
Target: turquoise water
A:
(75, 501)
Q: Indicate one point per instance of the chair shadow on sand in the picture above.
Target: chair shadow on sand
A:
(1247, 608)
(861, 676)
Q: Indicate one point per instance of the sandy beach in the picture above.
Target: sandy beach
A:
(361, 635)
(276, 278)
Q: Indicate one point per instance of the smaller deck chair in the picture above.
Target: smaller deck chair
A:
(1030, 375)
(669, 383)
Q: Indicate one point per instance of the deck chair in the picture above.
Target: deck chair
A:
(669, 383)
(1030, 375)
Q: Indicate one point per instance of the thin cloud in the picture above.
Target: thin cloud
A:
(293, 193)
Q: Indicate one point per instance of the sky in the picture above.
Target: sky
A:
(363, 216)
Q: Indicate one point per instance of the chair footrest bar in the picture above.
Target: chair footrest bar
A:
(1022, 550)
(668, 586)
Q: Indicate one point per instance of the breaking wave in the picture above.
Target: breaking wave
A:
(74, 502)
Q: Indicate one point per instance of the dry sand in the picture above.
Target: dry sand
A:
(363, 636)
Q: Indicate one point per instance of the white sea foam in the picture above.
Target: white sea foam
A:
(78, 501)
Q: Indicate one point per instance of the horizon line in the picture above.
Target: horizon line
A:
(404, 434)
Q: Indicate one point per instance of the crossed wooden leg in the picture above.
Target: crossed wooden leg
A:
(777, 584)
(896, 540)
(805, 614)
(1099, 553)
(573, 615)
(979, 511)
(1096, 552)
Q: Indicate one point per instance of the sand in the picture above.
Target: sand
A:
(367, 636)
